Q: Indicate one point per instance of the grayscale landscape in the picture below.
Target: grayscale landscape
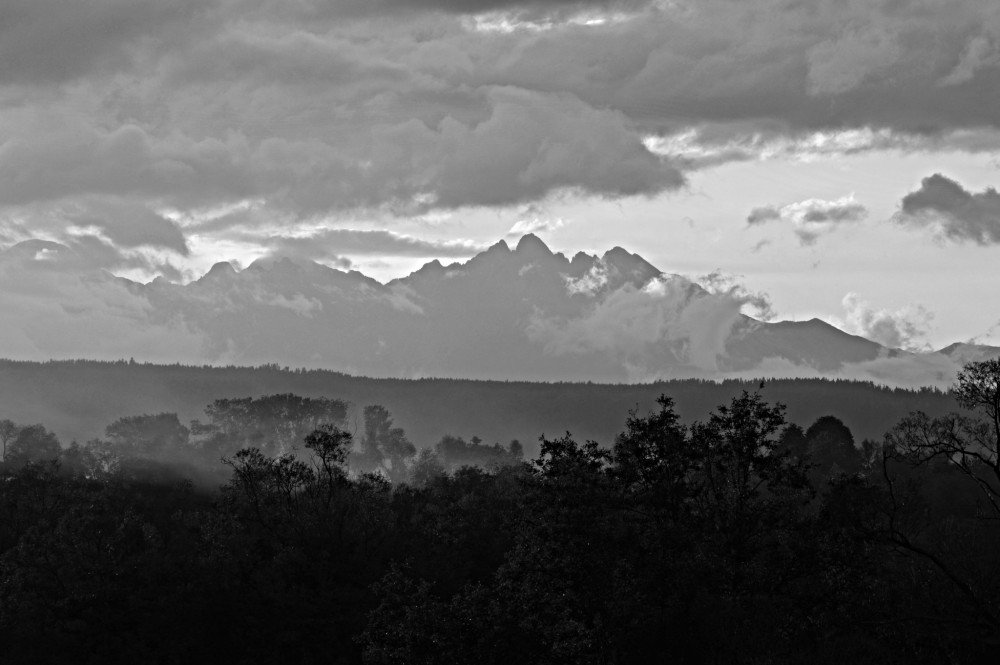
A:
(499, 331)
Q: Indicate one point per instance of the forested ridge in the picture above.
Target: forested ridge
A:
(77, 399)
(272, 530)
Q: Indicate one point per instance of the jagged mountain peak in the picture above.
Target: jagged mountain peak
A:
(531, 246)
(499, 247)
(631, 266)
(219, 271)
(522, 313)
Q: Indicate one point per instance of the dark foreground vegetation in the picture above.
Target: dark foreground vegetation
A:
(740, 538)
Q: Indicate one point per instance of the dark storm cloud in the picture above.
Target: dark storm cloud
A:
(957, 213)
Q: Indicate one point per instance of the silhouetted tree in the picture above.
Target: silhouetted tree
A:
(793, 440)
(273, 423)
(32, 443)
(384, 448)
(516, 450)
(148, 434)
(454, 452)
(968, 441)
(426, 467)
(8, 430)
(831, 448)
(928, 517)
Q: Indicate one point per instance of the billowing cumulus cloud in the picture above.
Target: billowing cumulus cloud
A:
(811, 218)
(670, 326)
(900, 329)
(953, 211)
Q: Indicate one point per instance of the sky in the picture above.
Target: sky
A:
(838, 157)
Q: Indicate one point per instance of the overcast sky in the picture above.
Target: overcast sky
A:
(839, 156)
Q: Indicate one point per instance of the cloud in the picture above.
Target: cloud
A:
(906, 371)
(50, 41)
(591, 282)
(86, 252)
(910, 370)
(125, 224)
(54, 307)
(979, 53)
(811, 218)
(298, 303)
(317, 110)
(755, 303)
(763, 214)
(953, 211)
(851, 58)
(534, 220)
(531, 7)
(668, 326)
(520, 147)
(56, 155)
(534, 144)
(328, 244)
(900, 329)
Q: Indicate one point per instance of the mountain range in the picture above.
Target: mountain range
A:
(521, 313)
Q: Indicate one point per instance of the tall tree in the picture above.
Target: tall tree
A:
(148, 434)
(275, 424)
(8, 430)
(831, 448)
(918, 453)
(384, 448)
(32, 443)
(968, 441)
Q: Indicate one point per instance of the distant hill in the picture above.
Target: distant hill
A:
(77, 399)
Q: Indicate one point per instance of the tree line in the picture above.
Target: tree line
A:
(739, 537)
(77, 399)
